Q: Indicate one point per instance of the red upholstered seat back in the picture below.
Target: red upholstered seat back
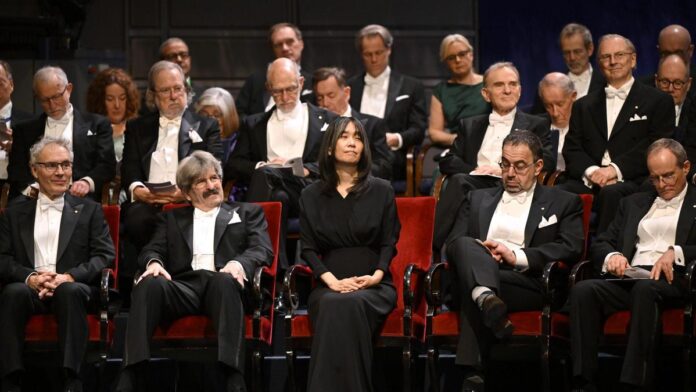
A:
(417, 217)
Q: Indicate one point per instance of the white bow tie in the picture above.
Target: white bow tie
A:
(56, 204)
(496, 119)
(372, 81)
(167, 124)
(53, 123)
(662, 203)
(612, 92)
(200, 214)
(520, 197)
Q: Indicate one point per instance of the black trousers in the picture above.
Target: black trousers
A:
(69, 304)
(474, 266)
(592, 301)
(451, 198)
(275, 184)
(214, 294)
(606, 199)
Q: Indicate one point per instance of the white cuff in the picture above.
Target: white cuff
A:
(521, 264)
(90, 181)
(400, 144)
(678, 255)
(26, 281)
(587, 174)
(619, 176)
(240, 266)
(606, 260)
(259, 164)
(132, 187)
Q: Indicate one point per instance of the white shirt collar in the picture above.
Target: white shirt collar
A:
(583, 76)
(348, 112)
(198, 213)
(381, 78)
(294, 114)
(6, 111)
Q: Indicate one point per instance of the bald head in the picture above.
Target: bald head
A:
(675, 39)
(673, 78)
(284, 83)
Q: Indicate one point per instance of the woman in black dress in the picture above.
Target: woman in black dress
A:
(349, 229)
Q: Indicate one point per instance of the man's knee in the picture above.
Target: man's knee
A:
(15, 293)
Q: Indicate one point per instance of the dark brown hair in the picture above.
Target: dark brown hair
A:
(327, 161)
(96, 92)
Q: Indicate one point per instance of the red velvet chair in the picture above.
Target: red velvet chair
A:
(406, 323)
(193, 337)
(42, 330)
(543, 328)
(677, 323)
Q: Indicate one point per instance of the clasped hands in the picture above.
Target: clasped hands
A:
(144, 195)
(45, 283)
(354, 283)
(604, 176)
(156, 269)
(618, 263)
(500, 252)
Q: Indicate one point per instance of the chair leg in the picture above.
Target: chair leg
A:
(406, 367)
(257, 369)
(545, 367)
(433, 355)
(290, 361)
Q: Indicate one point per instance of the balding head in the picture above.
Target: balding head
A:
(673, 78)
(675, 39)
(284, 83)
(557, 92)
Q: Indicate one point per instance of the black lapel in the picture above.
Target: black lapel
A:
(184, 219)
(395, 82)
(71, 215)
(149, 134)
(316, 121)
(260, 132)
(356, 92)
(488, 206)
(630, 107)
(520, 122)
(598, 108)
(26, 216)
(635, 215)
(479, 126)
(188, 123)
(223, 218)
(539, 207)
(687, 215)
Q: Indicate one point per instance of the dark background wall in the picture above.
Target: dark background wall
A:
(228, 39)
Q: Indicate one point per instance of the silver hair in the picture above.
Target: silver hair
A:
(617, 36)
(295, 67)
(449, 40)
(557, 79)
(48, 74)
(669, 144)
(223, 100)
(497, 66)
(163, 65)
(371, 31)
(169, 41)
(576, 28)
(193, 166)
(44, 142)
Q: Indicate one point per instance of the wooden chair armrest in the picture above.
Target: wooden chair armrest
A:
(433, 284)
(554, 279)
(106, 284)
(580, 271)
(438, 184)
(410, 165)
(552, 179)
(290, 285)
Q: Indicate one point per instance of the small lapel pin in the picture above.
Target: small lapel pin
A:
(76, 211)
(542, 208)
(636, 106)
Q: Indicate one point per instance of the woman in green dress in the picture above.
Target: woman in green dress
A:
(458, 97)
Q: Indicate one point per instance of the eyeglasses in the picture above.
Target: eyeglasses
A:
(52, 167)
(618, 56)
(664, 83)
(176, 55)
(668, 179)
(202, 182)
(518, 167)
(54, 99)
(460, 55)
(167, 92)
(279, 92)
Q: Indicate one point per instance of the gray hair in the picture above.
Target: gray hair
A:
(163, 65)
(617, 36)
(193, 166)
(47, 74)
(576, 28)
(221, 99)
(372, 31)
(294, 67)
(169, 41)
(557, 79)
(528, 138)
(497, 66)
(669, 144)
(8, 70)
(449, 40)
(44, 142)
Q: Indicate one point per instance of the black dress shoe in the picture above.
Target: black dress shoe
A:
(473, 383)
(125, 381)
(11, 383)
(73, 385)
(494, 312)
(235, 381)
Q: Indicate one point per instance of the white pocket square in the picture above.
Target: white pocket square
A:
(548, 222)
(636, 117)
(195, 137)
(400, 97)
(90, 133)
(324, 127)
(235, 218)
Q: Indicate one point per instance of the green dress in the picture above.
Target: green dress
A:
(460, 101)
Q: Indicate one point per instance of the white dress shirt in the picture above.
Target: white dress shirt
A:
(46, 232)
(615, 99)
(5, 113)
(491, 146)
(61, 128)
(508, 223)
(562, 132)
(204, 239)
(287, 133)
(582, 81)
(165, 159)
(374, 98)
(657, 233)
(677, 111)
